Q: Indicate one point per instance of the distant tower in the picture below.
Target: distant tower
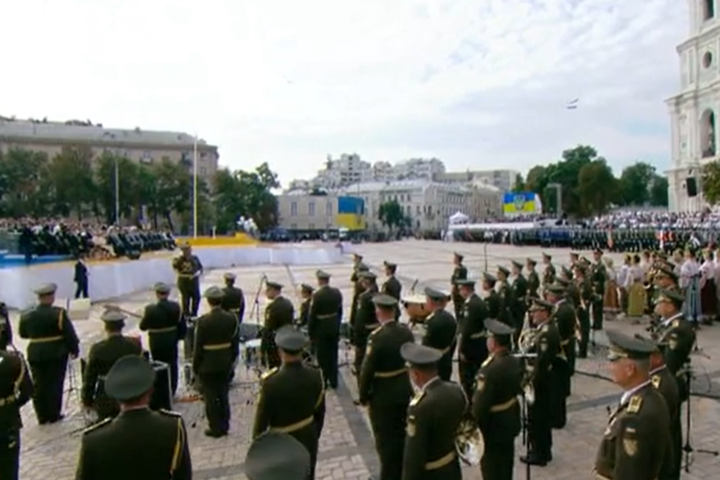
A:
(694, 111)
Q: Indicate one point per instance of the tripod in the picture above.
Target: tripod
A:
(525, 422)
(687, 448)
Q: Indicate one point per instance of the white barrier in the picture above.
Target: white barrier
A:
(115, 279)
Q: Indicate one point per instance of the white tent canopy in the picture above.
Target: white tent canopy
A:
(458, 218)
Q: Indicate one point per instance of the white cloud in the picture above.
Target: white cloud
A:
(478, 84)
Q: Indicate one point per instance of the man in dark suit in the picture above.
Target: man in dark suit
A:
(81, 278)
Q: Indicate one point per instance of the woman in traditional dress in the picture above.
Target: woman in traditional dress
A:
(636, 289)
(690, 283)
(708, 289)
(611, 304)
(621, 281)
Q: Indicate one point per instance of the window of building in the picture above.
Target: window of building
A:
(293, 226)
(311, 209)
(709, 9)
(311, 226)
(203, 171)
(293, 208)
(328, 208)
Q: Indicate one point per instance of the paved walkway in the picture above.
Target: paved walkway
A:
(346, 447)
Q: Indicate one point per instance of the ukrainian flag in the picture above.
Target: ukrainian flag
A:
(519, 203)
(350, 213)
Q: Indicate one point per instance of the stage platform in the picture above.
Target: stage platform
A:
(113, 279)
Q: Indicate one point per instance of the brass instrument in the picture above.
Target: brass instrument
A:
(525, 345)
(469, 443)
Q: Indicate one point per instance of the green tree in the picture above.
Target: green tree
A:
(597, 187)
(635, 183)
(659, 192)
(391, 214)
(128, 177)
(173, 188)
(711, 182)
(73, 183)
(24, 183)
(519, 185)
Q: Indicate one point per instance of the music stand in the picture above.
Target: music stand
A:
(687, 448)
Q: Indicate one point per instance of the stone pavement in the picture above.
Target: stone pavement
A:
(346, 447)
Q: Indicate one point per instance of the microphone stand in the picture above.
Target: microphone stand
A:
(687, 448)
(525, 413)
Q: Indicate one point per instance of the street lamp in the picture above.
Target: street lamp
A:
(558, 196)
(195, 186)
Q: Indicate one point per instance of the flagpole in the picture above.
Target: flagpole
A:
(195, 186)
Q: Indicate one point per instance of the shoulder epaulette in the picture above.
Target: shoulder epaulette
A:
(269, 373)
(96, 426)
(656, 381)
(634, 404)
(376, 330)
(416, 399)
(676, 323)
(487, 361)
(170, 413)
(545, 328)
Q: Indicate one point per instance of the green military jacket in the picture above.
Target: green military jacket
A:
(495, 406)
(383, 377)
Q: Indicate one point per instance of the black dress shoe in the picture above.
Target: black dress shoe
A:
(56, 419)
(534, 460)
(214, 433)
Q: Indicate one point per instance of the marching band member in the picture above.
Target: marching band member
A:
(357, 289)
(598, 280)
(583, 309)
(677, 333)
(365, 318)
(16, 388)
(492, 299)
(101, 359)
(276, 456)
(533, 279)
(392, 285)
(507, 298)
(433, 418)
(549, 273)
(564, 317)
(459, 273)
(495, 405)
(440, 330)
(188, 269)
(279, 312)
(234, 301)
(472, 350)
(306, 294)
(326, 310)
(519, 295)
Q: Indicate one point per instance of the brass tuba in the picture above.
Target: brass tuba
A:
(469, 442)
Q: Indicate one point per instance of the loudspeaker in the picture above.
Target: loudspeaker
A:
(691, 187)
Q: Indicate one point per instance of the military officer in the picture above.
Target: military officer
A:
(583, 310)
(145, 444)
(666, 279)
(306, 294)
(365, 318)
(507, 298)
(6, 332)
(326, 310)
(292, 396)
(358, 287)
(433, 419)
(563, 315)
(384, 386)
(165, 324)
(459, 273)
(16, 388)
(574, 258)
(546, 345)
(520, 294)
(598, 277)
(101, 358)
(472, 350)
(549, 273)
(440, 330)
(234, 301)
(495, 405)
(217, 345)
(52, 338)
(533, 279)
(492, 299)
(279, 312)
(392, 285)
(637, 438)
(276, 456)
(188, 269)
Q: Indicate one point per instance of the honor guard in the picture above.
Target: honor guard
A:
(492, 300)
(495, 406)
(365, 318)
(433, 419)
(306, 294)
(392, 285)
(145, 444)
(533, 279)
(584, 309)
(636, 440)
(165, 324)
(51, 339)
(549, 272)
(276, 456)
(234, 300)
(6, 332)
(324, 326)
(563, 316)
(441, 330)
(598, 277)
(459, 273)
(217, 345)
(16, 388)
(472, 350)
(188, 269)
(292, 397)
(545, 343)
(384, 387)
(279, 312)
(519, 295)
(101, 359)
(507, 299)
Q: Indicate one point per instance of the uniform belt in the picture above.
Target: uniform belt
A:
(102, 377)
(391, 374)
(186, 275)
(327, 316)
(565, 342)
(46, 339)
(235, 310)
(294, 427)
(217, 346)
(7, 400)
(440, 462)
(162, 330)
(372, 327)
(478, 335)
(501, 407)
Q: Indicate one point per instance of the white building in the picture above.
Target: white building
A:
(503, 179)
(383, 172)
(695, 109)
(344, 171)
(418, 168)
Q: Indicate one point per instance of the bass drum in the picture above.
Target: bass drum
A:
(416, 308)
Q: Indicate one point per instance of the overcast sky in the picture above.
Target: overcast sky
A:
(478, 83)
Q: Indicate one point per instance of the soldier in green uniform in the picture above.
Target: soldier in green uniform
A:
(279, 312)
(165, 324)
(433, 419)
(520, 294)
(636, 440)
(358, 289)
(574, 258)
(472, 350)
(52, 338)
(188, 269)
(326, 310)
(365, 319)
(533, 279)
(234, 301)
(546, 345)
(145, 444)
(16, 388)
(101, 359)
(563, 315)
(217, 345)
(306, 294)
(292, 397)
(549, 273)
(598, 277)
(276, 456)
(392, 285)
(440, 330)
(6, 332)
(565, 273)
(585, 288)
(507, 298)
(384, 386)
(492, 300)
(459, 273)
(495, 405)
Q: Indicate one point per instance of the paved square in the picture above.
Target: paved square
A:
(346, 447)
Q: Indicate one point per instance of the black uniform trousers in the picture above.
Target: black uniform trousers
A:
(326, 350)
(445, 365)
(216, 389)
(190, 296)
(498, 459)
(540, 423)
(677, 446)
(468, 370)
(49, 379)
(388, 424)
(10, 454)
(597, 314)
(81, 289)
(167, 355)
(561, 390)
(584, 319)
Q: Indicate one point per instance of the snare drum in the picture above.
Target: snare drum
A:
(251, 353)
(416, 307)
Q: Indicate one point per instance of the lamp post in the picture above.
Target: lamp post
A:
(195, 186)
(117, 191)
(558, 196)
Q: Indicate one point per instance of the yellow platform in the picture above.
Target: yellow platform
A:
(238, 240)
